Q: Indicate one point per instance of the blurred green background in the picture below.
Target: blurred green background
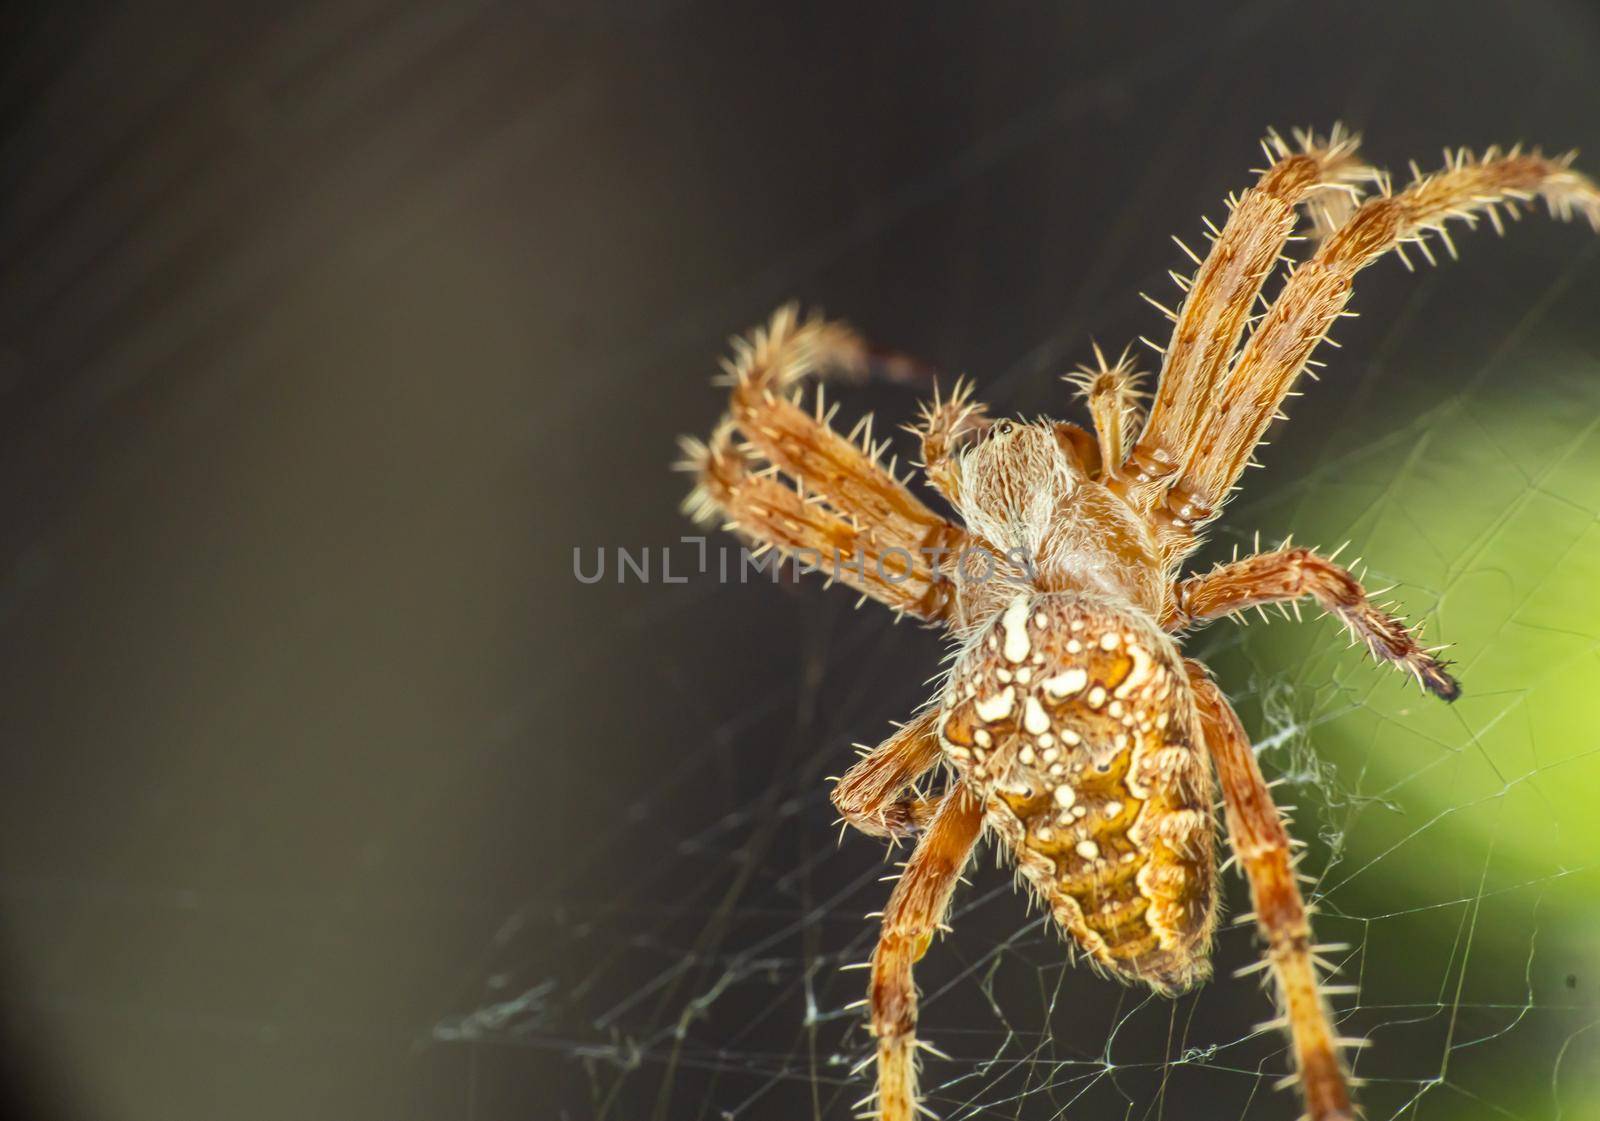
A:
(1464, 838)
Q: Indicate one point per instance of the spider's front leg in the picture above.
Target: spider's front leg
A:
(843, 511)
(1111, 390)
(945, 425)
(1259, 839)
(1221, 296)
(1287, 575)
(916, 911)
(875, 797)
(1219, 442)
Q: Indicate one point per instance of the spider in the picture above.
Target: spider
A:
(1068, 722)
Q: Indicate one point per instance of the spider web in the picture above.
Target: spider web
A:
(1453, 847)
(303, 289)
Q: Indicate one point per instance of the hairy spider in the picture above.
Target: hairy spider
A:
(1069, 723)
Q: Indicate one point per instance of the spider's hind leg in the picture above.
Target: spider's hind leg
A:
(1260, 841)
(876, 797)
(916, 911)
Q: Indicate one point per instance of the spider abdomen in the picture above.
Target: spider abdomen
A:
(1071, 716)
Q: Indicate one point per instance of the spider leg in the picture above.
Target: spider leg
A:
(1290, 574)
(916, 910)
(1111, 390)
(1223, 292)
(872, 796)
(1217, 443)
(944, 426)
(892, 570)
(845, 511)
(1256, 831)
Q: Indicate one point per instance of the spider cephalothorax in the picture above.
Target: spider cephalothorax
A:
(1069, 723)
(1026, 489)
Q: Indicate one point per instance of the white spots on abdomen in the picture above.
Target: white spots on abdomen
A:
(1014, 624)
(1034, 717)
(993, 709)
(1066, 683)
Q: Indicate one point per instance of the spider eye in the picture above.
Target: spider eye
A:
(1004, 428)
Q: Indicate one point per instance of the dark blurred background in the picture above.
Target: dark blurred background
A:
(328, 331)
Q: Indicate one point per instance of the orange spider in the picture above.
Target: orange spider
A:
(1071, 725)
